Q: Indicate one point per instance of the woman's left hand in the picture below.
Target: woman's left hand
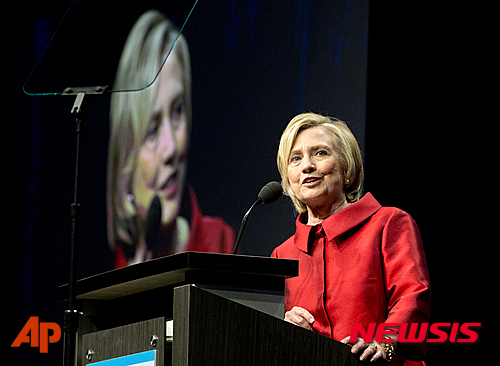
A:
(372, 351)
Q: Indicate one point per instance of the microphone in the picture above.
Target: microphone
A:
(268, 194)
(153, 224)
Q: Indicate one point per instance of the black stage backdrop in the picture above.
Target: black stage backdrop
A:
(396, 74)
(427, 152)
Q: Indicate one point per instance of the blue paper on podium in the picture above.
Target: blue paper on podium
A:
(147, 358)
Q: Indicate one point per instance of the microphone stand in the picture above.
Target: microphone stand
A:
(268, 194)
(71, 315)
(244, 223)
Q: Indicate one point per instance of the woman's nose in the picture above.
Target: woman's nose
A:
(166, 146)
(308, 164)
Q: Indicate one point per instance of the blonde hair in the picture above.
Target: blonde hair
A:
(145, 50)
(346, 147)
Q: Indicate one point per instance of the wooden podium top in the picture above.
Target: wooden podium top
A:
(178, 269)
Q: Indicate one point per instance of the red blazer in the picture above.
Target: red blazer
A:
(364, 264)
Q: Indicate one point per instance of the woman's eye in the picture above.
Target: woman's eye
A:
(152, 131)
(153, 127)
(177, 112)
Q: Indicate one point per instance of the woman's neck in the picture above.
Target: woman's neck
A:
(317, 215)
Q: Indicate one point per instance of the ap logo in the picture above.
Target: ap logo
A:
(37, 334)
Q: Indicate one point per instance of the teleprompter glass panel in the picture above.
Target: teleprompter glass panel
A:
(87, 44)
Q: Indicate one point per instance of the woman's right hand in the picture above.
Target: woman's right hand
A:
(300, 317)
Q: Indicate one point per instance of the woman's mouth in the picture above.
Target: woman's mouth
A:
(169, 188)
(311, 181)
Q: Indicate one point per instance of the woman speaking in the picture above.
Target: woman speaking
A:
(359, 262)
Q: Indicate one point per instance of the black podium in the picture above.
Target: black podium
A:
(196, 309)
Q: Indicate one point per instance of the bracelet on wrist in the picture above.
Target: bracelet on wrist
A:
(390, 349)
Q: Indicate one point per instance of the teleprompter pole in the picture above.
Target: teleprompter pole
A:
(71, 314)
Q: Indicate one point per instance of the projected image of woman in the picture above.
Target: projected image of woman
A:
(148, 148)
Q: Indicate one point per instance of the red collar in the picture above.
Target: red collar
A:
(338, 223)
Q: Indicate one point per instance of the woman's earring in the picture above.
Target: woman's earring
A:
(347, 182)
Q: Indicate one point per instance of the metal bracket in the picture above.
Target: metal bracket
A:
(80, 93)
(89, 90)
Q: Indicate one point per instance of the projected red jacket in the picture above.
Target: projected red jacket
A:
(364, 264)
